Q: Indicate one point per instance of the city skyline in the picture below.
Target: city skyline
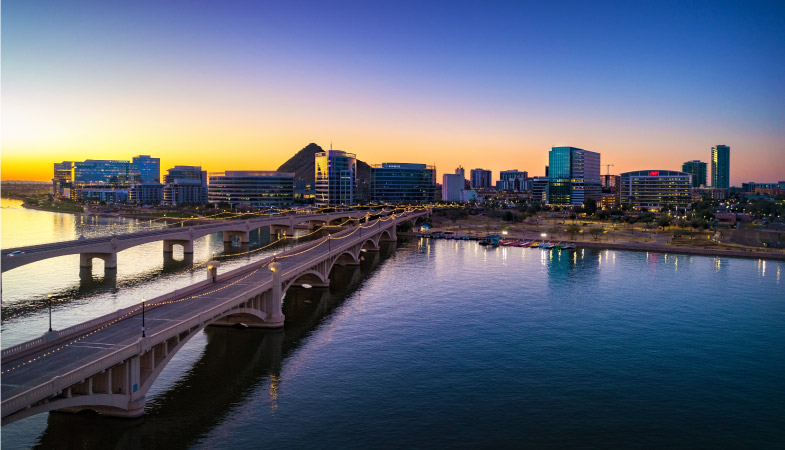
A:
(648, 87)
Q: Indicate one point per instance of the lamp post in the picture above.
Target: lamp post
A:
(143, 335)
(49, 301)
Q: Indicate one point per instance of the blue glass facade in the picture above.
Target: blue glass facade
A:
(403, 183)
(720, 167)
(251, 188)
(698, 171)
(146, 169)
(335, 178)
(573, 176)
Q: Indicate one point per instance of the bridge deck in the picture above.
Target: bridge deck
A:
(19, 256)
(81, 349)
(126, 332)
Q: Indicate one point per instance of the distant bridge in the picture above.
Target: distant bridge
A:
(107, 366)
(106, 248)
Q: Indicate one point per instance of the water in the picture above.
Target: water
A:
(449, 345)
(78, 294)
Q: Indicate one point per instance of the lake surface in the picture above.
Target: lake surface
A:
(445, 344)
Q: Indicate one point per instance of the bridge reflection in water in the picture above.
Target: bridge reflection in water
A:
(234, 364)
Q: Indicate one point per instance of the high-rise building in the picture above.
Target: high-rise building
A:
(480, 178)
(185, 185)
(461, 172)
(251, 188)
(61, 181)
(513, 180)
(146, 169)
(720, 167)
(540, 189)
(574, 176)
(656, 189)
(403, 183)
(698, 171)
(335, 178)
(452, 185)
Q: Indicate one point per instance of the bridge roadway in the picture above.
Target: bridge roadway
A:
(106, 248)
(105, 365)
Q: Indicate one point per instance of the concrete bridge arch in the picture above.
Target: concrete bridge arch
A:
(115, 383)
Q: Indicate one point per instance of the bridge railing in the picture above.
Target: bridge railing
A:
(55, 337)
(164, 231)
(58, 336)
(57, 384)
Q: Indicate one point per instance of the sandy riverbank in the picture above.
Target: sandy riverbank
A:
(614, 236)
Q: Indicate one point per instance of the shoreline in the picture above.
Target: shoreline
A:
(657, 248)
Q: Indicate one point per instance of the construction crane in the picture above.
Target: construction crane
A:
(609, 168)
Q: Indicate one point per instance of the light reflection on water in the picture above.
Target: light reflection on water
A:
(591, 349)
(78, 294)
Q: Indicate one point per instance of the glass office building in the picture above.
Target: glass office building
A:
(573, 176)
(335, 178)
(720, 167)
(185, 185)
(146, 169)
(146, 193)
(253, 189)
(61, 180)
(513, 180)
(656, 189)
(102, 171)
(698, 171)
(403, 183)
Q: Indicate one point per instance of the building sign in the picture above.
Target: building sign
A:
(654, 173)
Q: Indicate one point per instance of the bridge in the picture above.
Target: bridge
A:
(106, 248)
(108, 364)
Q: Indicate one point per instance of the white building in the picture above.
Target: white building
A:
(452, 185)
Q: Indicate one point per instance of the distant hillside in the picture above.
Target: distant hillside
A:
(302, 164)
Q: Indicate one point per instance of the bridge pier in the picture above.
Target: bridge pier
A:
(110, 260)
(281, 231)
(272, 303)
(188, 246)
(316, 224)
(244, 237)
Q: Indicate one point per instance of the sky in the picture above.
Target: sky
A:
(236, 85)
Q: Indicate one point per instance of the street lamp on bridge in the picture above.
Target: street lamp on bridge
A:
(49, 301)
(143, 335)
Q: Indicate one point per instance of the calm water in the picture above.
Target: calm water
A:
(448, 345)
(79, 295)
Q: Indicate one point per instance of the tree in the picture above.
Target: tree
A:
(508, 216)
(573, 230)
(664, 221)
(596, 233)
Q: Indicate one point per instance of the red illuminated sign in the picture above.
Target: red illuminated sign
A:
(654, 173)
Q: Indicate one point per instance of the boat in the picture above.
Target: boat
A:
(492, 240)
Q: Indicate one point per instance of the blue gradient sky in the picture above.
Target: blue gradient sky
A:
(233, 85)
